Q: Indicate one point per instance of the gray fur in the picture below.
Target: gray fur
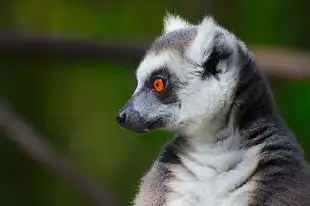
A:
(153, 186)
(178, 40)
(282, 176)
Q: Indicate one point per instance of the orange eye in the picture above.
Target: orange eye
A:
(159, 85)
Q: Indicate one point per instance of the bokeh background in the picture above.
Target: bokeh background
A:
(74, 101)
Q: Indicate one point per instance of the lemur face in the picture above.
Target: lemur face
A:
(186, 79)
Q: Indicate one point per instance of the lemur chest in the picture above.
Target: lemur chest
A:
(213, 179)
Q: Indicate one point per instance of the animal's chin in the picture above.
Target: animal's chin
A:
(149, 126)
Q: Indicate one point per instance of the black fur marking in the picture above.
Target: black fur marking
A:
(210, 66)
(220, 51)
(169, 96)
(172, 151)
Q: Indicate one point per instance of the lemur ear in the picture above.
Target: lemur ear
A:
(204, 41)
(209, 48)
(174, 22)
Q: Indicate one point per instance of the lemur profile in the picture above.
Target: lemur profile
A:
(231, 147)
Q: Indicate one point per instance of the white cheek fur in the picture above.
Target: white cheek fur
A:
(203, 100)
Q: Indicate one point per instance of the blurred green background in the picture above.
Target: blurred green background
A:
(74, 102)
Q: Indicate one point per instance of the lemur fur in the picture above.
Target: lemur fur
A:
(231, 147)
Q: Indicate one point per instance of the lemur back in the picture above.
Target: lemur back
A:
(232, 148)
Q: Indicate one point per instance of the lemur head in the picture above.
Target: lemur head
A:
(187, 79)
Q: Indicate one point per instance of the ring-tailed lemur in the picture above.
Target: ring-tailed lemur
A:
(232, 148)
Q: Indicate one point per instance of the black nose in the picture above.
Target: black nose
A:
(121, 119)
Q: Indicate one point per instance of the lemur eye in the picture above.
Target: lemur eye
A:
(159, 85)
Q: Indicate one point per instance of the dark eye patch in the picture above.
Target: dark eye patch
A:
(161, 73)
(168, 96)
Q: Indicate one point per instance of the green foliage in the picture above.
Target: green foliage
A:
(293, 103)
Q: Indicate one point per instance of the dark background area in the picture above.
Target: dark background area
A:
(73, 99)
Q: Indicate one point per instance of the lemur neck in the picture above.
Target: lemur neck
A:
(253, 100)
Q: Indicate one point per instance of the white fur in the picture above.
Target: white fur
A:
(204, 40)
(207, 101)
(152, 62)
(174, 22)
(205, 181)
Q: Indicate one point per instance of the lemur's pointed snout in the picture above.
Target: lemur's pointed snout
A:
(130, 119)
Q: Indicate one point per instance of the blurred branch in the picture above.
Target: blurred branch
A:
(278, 62)
(23, 46)
(283, 62)
(34, 146)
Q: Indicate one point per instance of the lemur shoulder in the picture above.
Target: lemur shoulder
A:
(231, 147)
